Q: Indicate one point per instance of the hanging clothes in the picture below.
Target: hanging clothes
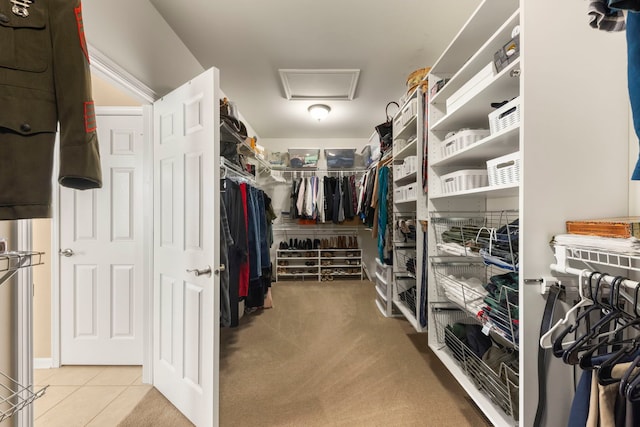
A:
(382, 216)
(341, 203)
(238, 263)
(226, 242)
(301, 194)
(320, 205)
(354, 196)
(45, 81)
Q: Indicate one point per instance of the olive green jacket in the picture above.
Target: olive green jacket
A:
(44, 80)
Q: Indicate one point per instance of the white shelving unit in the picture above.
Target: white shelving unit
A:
(384, 289)
(563, 137)
(319, 264)
(408, 132)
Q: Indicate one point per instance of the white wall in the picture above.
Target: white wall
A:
(154, 47)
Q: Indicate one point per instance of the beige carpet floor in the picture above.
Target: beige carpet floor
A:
(325, 356)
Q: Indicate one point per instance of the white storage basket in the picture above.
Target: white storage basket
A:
(466, 179)
(504, 170)
(409, 111)
(410, 192)
(398, 171)
(410, 165)
(398, 194)
(461, 140)
(506, 116)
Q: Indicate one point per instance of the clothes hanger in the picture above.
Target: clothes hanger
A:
(572, 355)
(613, 339)
(629, 384)
(558, 345)
(605, 371)
(545, 339)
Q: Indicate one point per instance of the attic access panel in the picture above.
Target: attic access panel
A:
(319, 84)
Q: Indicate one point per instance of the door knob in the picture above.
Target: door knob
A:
(220, 269)
(206, 270)
(66, 252)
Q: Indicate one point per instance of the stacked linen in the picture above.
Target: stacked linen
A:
(612, 244)
(467, 293)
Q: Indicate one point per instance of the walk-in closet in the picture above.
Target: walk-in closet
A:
(319, 214)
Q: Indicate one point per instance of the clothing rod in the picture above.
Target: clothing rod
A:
(299, 172)
(608, 279)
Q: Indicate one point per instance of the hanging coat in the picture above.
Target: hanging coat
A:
(44, 80)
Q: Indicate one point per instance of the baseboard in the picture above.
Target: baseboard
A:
(42, 363)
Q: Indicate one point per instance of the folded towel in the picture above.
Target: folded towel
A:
(614, 244)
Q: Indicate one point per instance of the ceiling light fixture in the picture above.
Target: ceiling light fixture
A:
(319, 111)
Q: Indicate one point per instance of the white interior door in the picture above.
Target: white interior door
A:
(186, 238)
(101, 244)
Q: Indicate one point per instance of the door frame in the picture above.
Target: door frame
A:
(110, 71)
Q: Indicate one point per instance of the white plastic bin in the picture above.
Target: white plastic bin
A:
(410, 165)
(410, 192)
(506, 116)
(461, 140)
(504, 170)
(466, 179)
(398, 194)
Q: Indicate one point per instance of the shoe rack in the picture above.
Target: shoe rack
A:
(325, 260)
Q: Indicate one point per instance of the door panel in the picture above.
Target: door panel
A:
(102, 281)
(186, 238)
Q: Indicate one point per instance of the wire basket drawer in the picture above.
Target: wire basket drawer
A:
(501, 385)
(506, 116)
(466, 179)
(461, 140)
(504, 170)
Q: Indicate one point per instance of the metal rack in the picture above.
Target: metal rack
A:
(501, 385)
(13, 395)
(498, 313)
(491, 235)
(11, 262)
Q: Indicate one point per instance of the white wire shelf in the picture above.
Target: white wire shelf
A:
(14, 397)
(11, 262)
(626, 260)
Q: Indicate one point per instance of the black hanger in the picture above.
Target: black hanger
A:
(628, 347)
(630, 382)
(583, 343)
(586, 359)
(558, 347)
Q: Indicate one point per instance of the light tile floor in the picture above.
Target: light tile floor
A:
(96, 396)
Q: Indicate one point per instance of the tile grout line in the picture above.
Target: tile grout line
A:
(78, 387)
(126, 387)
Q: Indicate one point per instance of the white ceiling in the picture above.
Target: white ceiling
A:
(249, 41)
